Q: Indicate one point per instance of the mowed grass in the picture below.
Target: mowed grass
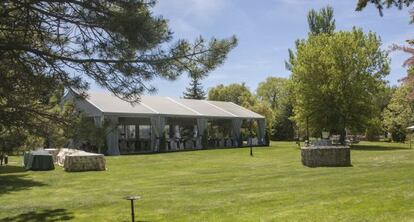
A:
(219, 185)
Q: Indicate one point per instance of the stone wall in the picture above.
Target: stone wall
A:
(84, 163)
(329, 156)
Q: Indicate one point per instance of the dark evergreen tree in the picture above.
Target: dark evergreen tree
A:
(322, 21)
(46, 45)
(195, 90)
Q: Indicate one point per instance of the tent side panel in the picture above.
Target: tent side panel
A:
(87, 108)
(112, 136)
(82, 105)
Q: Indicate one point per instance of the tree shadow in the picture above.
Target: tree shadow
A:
(44, 216)
(376, 148)
(13, 183)
(11, 169)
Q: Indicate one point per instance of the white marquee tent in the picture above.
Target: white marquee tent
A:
(142, 127)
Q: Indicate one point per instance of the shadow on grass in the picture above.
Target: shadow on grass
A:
(12, 183)
(44, 216)
(11, 169)
(377, 148)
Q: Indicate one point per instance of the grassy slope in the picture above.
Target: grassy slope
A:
(220, 185)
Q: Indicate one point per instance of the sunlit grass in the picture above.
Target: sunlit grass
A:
(220, 185)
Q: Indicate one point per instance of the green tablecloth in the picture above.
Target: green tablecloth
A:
(38, 160)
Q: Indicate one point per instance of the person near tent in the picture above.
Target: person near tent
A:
(6, 159)
(1, 159)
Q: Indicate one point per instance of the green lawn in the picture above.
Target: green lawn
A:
(219, 185)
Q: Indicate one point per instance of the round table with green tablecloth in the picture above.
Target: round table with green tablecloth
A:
(38, 160)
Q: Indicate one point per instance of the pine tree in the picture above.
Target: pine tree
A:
(321, 22)
(121, 45)
(195, 90)
(380, 4)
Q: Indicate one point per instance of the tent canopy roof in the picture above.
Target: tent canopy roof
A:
(107, 103)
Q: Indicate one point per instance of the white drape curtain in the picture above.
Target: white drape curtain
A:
(261, 123)
(177, 136)
(236, 128)
(161, 130)
(177, 131)
(173, 142)
(201, 127)
(157, 130)
(112, 136)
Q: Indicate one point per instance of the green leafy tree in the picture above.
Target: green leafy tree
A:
(241, 95)
(90, 134)
(399, 114)
(276, 92)
(47, 129)
(375, 126)
(264, 108)
(121, 45)
(236, 93)
(11, 139)
(335, 78)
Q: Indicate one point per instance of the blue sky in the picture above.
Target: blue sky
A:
(266, 30)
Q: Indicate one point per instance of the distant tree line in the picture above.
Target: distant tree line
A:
(271, 99)
(337, 84)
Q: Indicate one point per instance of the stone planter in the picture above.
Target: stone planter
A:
(326, 156)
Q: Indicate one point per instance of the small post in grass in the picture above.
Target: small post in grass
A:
(132, 198)
(410, 131)
(251, 138)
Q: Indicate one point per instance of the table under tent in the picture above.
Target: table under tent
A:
(161, 124)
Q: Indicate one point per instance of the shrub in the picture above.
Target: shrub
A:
(398, 136)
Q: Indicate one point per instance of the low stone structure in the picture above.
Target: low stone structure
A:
(83, 161)
(328, 156)
(73, 160)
